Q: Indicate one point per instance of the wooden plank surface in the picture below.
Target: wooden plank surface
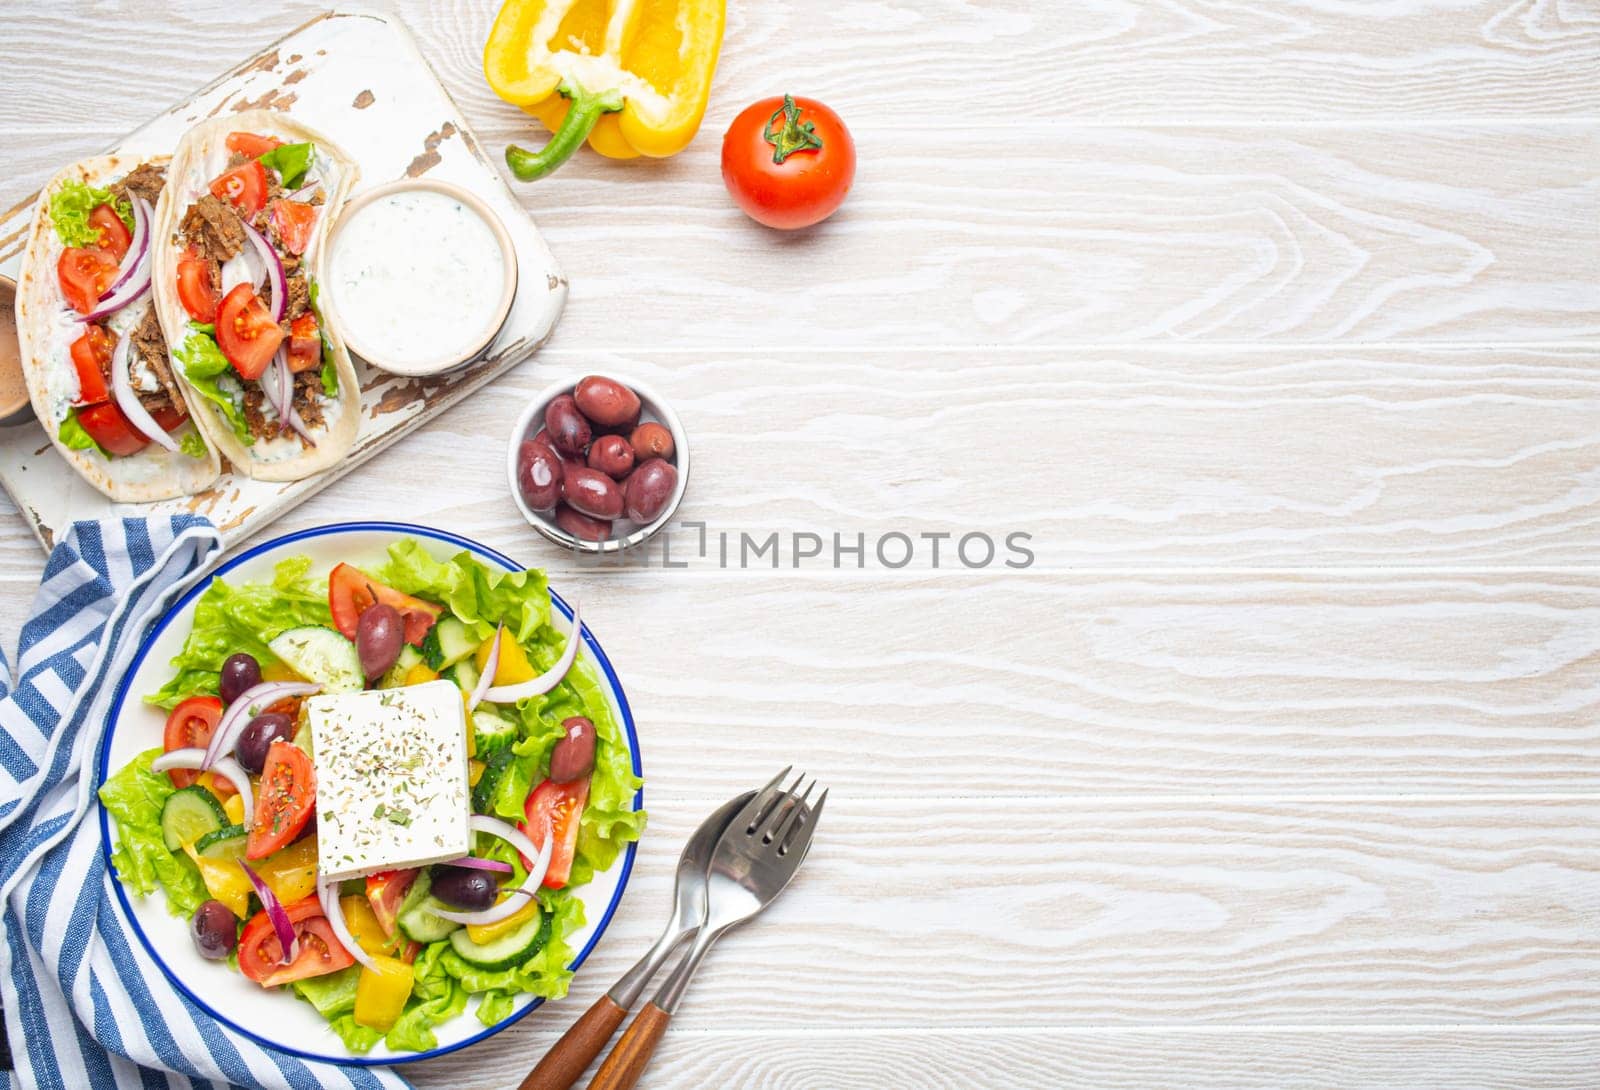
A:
(1277, 327)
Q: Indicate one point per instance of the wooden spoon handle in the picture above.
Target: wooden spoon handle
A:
(569, 1057)
(628, 1060)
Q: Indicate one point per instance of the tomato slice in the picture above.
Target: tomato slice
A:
(292, 222)
(320, 952)
(559, 807)
(251, 145)
(190, 724)
(285, 799)
(85, 274)
(244, 187)
(385, 891)
(246, 333)
(108, 426)
(91, 357)
(114, 234)
(351, 590)
(195, 290)
(305, 343)
(169, 417)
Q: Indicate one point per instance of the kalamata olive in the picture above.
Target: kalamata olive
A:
(239, 672)
(258, 736)
(568, 428)
(651, 440)
(611, 455)
(462, 887)
(605, 401)
(591, 492)
(649, 488)
(213, 930)
(581, 526)
(573, 757)
(539, 470)
(380, 631)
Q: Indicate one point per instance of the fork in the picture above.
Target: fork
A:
(753, 862)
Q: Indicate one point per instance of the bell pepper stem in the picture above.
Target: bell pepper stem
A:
(587, 106)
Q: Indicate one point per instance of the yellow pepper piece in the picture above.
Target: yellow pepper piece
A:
(291, 873)
(474, 772)
(208, 780)
(382, 995)
(513, 667)
(225, 880)
(277, 670)
(420, 674)
(488, 932)
(648, 63)
(233, 806)
(364, 926)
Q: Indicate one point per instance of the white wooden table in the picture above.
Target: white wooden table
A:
(1278, 327)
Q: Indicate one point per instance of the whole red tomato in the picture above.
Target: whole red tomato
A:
(788, 162)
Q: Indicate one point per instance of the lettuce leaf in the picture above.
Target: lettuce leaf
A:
(192, 445)
(205, 366)
(75, 437)
(70, 207)
(291, 161)
(135, 796)
(435, 997)
(233, 617)
(476, 594)
(330, 370)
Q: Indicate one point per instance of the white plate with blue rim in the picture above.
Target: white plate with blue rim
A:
(278, 1020)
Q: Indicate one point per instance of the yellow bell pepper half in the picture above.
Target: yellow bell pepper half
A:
(291, 872)
(381, 996)
(630, 76)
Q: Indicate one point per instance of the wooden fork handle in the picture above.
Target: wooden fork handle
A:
(628, 1060)
(569, 1057)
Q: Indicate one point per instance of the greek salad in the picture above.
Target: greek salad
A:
(377, 790)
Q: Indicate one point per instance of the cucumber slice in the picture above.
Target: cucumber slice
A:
(322, 655)
(510, 949)
(465, 674)
(491, 733)
(447, 643)
(225, 843)
(189, 814)
(416, 916)
(396, 674)
(494, 770)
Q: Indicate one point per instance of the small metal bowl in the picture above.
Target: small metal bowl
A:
(652, 408)
(16, 409)
(481, 339)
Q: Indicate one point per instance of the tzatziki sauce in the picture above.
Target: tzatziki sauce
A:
(416, 278)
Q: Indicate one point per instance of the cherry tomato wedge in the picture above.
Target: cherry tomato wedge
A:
(244, 187)
(91, 358)
(195, 290)
(559, 807)
(246, 333)
(385, 891)
(284, 801)
(110, 427)
(351, 590)
(292, 222)
(320, 952)
(305, 343)
(114, 234)
(85, 274)
(251, 145)
(190, 724)
(788, 162)
(168, 417)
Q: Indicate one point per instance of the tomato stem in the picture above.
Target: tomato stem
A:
(795, 134)
(587, 106)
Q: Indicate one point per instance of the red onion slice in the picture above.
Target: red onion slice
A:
(328, 895)
(137, 287)
(288, 941)
(472, 862)
(510, 694)
(486, 679)
(137, 246)
(269, 258)
(271, 384)
(194, 758)
(242, 268)
(128, 401)
(299, 426)
(245, 707)
(530, 885)
(308, 185)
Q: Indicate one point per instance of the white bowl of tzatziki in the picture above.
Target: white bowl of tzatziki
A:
(421, 275)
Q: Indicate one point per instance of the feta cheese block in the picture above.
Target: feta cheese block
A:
(391, 769)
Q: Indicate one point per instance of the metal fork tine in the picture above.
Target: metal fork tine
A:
(790, 818)
(780, 812)
(774, 796)
(800, 838)
(749, 817)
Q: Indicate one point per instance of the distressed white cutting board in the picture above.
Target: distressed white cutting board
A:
(357, 76)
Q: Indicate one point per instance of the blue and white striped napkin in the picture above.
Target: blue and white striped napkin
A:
(85, 1006)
